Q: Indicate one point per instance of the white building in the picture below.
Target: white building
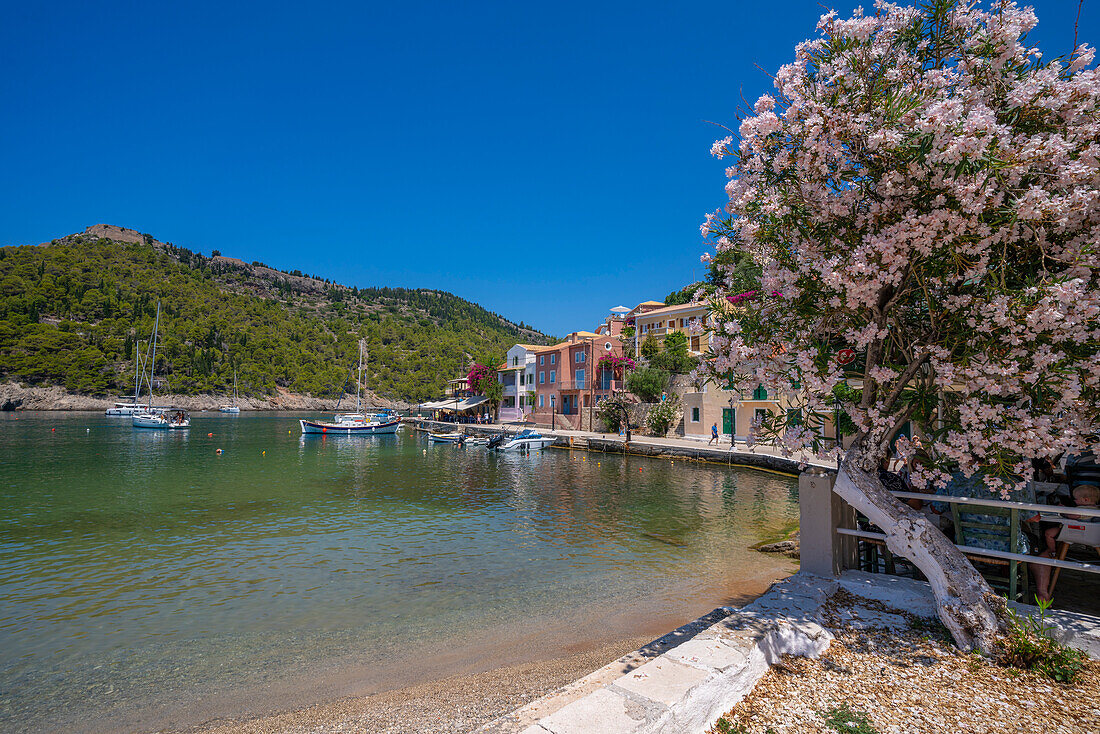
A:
(517, 374)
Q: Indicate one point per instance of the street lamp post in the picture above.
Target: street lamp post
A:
(733, 424)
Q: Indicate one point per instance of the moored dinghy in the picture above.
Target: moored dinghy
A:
(445, 438)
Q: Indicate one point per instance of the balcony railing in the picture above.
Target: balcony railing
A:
(598, 385)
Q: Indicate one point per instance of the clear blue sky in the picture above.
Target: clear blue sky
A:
(547, 160)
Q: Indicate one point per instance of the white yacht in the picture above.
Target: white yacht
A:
(127, 408)
(234, 408)
(129, 404)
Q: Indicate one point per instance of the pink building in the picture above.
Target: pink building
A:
(568, 379)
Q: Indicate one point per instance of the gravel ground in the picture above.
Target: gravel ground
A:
(905, 681)
(455, 704)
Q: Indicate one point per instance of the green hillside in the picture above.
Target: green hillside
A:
(72, 310)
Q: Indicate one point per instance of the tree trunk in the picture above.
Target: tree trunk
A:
(972, 612)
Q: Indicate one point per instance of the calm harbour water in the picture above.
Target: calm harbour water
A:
(147, 582)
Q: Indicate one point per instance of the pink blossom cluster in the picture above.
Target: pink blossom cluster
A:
(476, 377)
(616, 364)
(928, 195)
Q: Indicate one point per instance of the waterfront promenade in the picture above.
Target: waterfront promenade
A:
(760, 456)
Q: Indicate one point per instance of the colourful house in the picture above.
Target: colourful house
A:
(569, 380)
(659, 322)
(517, 374)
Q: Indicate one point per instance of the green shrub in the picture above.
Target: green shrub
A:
(610, 412)
(661, 416)
(843, 719)
(675, 357)
(647, 383)
(1030, 645)
(725, 726)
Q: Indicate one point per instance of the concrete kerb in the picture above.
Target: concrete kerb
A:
(708, 667)
(711, 665)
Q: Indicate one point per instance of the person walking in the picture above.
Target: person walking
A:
(713, 435)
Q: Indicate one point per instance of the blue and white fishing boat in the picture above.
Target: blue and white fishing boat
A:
(352, 424)
(357, 423)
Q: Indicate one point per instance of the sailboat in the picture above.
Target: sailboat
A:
(131, 406)
(356, 423)
(232, 408)
(161, 418)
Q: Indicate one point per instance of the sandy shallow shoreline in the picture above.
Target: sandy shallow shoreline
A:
(493, 679)
(458, 703)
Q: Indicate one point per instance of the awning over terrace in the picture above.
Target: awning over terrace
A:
(459, 405)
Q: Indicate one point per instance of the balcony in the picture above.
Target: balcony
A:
(598, 385)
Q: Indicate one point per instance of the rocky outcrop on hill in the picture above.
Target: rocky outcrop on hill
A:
(14, 396)
(116, 234)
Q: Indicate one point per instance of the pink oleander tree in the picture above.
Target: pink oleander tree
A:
(923, 191)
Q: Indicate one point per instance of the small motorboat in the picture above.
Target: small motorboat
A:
(446, 438)
(476, 441)
(525, 441)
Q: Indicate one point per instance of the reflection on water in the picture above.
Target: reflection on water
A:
(140, 569)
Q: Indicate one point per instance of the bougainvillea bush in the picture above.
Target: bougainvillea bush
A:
(478, 377)
(922, 189)
(618, 365)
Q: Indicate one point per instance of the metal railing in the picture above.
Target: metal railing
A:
(597, 385)
(1025, 509)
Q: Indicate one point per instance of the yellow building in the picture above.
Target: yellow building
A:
(661, 321)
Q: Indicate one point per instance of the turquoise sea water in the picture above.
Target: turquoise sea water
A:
(147, 582)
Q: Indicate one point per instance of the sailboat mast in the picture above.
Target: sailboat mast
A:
(359, 382)
(137, 370)
(153, 361)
